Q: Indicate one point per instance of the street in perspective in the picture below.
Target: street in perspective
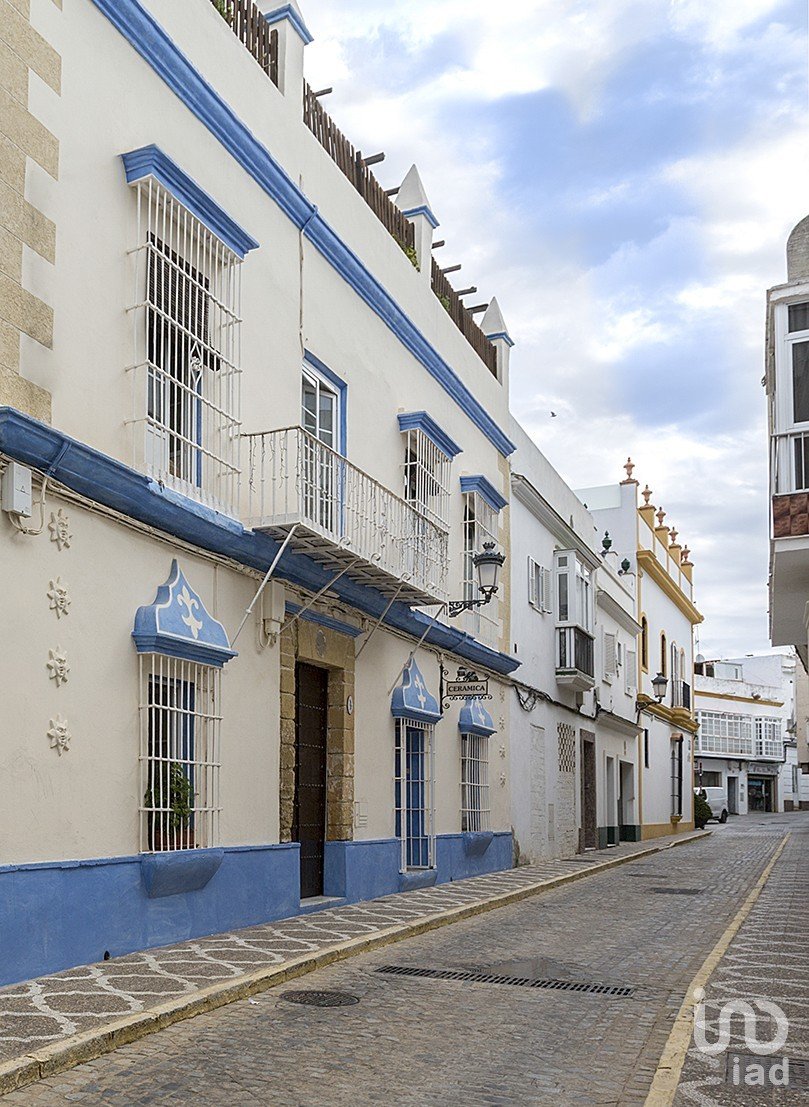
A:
(397, 704)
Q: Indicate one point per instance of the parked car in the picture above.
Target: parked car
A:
(717, 800)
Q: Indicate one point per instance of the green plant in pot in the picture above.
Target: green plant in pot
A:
(702, 811)
(170, 829)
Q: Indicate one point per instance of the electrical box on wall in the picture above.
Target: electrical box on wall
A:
(15, 490)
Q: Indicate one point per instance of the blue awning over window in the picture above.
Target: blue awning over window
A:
(475, 719)
(411, 698)
(178, 624)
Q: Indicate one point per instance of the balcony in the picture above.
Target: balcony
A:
(681, 695)
(574, 658)
(344, 519)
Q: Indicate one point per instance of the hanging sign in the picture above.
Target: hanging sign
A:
(467, 685)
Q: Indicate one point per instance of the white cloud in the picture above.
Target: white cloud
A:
(704, 271)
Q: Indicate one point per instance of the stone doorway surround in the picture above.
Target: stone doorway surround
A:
(309, 642)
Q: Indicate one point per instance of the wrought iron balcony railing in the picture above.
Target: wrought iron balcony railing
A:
(574, 657)
(344, 517)
(681, 694)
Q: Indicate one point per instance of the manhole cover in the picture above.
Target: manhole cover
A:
(514, 981)
(321, 999)
(676, 891)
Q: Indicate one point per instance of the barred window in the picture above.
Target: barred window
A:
(426, 477)
(475, 813)
(479, 526)
(414, 784)
(677, 777)
(179, 754)
(186, 371)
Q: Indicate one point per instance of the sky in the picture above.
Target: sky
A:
(622, 175)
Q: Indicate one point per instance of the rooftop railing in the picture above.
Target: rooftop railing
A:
(253, 30)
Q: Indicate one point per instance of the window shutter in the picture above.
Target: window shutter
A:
(547, 589)
(631, 670)
(533, 598)
(609, 656)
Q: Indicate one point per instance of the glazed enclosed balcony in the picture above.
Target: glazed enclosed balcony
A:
(342, 517)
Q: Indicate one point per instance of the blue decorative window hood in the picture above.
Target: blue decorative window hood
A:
(178, 624)
(475, 719)
(412, 700)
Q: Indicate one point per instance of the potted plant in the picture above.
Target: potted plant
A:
(702, 811)
(170, 805)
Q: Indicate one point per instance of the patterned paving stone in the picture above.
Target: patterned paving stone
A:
(414, 1042)
(768, 959)
(51, 1008)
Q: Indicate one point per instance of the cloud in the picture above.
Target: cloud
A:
(623, 177)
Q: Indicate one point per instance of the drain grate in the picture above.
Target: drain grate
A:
(579, 986)
(676, 891)
(321, 999)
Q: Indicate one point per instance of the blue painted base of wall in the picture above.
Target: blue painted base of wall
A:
(56, 915)
(60, 914)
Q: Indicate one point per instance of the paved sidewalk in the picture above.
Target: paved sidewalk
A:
(54, 1022)
(767, 959)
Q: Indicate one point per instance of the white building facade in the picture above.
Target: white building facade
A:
(746, 746)
(574, 750)
(248, 456)
(786, 381)
(666, 614)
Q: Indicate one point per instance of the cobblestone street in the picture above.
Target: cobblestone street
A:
(646, 926)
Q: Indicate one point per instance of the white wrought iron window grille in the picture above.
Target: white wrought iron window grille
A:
(179, 754)
(677, 778)
(186, 287)
(426, 477)
(414, 776)
(475, 812)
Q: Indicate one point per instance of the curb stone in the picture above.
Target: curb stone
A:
(79, 1048)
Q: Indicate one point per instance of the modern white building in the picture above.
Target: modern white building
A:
(252, 443)
(747, 710)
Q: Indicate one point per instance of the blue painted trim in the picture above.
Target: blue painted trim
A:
(151, 161)
(486, 490)
(310, 616)
(109, 482)
(288, 12)
(178, 624)
(422, 209)
(412, 698)
(150, 40)
(172, 873)
(509, 341)
(415, 879)
(475, 719)
(342, 391)
(476, 842)
(420, 420)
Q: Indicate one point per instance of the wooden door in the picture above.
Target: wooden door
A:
(309, 812)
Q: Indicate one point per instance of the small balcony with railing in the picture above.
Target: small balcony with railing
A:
(575, 658)
(681, 695)
(342, 517)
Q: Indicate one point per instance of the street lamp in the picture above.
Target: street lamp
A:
(659, 684)
(488, 564)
